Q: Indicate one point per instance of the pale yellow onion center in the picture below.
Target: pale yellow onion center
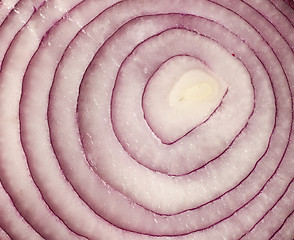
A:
(194, 87)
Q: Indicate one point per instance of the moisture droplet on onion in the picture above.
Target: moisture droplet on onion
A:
(146, 119)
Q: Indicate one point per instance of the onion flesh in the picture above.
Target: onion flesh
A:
(146, 119)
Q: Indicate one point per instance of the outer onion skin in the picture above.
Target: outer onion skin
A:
(91, 148)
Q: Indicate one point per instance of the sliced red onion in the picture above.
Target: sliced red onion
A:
(5, 9)
(97, 134)
(177, 115)
(15, 226)
(4, 235)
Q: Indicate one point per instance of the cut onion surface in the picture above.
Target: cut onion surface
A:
(141, 120)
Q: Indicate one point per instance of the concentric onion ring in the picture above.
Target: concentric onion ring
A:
(90, 147)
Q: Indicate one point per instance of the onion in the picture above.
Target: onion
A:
(146, 119)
